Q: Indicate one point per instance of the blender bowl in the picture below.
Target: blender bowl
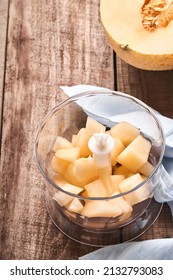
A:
(104, 227)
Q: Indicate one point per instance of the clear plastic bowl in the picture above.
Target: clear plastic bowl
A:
(66, 119)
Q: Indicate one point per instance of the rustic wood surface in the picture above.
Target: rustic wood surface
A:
(53, 43)
(3, 32)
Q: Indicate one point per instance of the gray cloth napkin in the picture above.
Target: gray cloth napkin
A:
(156, 249)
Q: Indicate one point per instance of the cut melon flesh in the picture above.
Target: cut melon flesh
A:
(70, 154)
(70, 176)
(117, 149)
(75, 206)
(100, 208)
(96, 189)
(125, 207)
(80, 175)
(122, 170)
(63, 198)
(115, 180)
(92, 126)
(146, 169)
(85, 170)
(59, 165)
(136, 196)
(81, 141)
(136, 154)
(59, 180)
(124, 131)
(122, 22)
(62, 143)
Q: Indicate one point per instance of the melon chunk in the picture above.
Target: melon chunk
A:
(75, 206)
(92, 126)
(135, 155)
(100, 208)
(70, 154)
(59, 180)
(63, 198)
(59, 165)
(105, 186)
(122, 170)
(70, 176)
(117, 149)
(61, 143)
(96, 189)
(125, 207)
(125, 131)
(85, 170)
(146, 169)
(115, 180)
(137, 195)
(77, 173)
(81, 141)
(74, 140)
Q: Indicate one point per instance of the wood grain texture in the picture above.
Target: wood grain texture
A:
(50, 43)
(156, 90)
(3, 33)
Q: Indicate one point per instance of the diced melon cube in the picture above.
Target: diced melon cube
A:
(135, 155)
(115, 180)
(75, 205)
(110, 182)
(82, 143)
(146, 169)
(74, 139)
(100, 208)
(59, 165)
(122, 170)
(92, 126)
(96, 189)
(70, 154)
(117, 149)
(123, 205)
(63, 198)
(137, 195)
(125, 131)
(104, 186)
(85, 170)
(70, 176)
(59, 180)
(62, 143)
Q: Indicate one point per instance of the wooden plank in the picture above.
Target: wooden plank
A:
(50, 43)
(156, 90)
(3, 32)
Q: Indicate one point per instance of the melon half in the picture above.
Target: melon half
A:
(140, 31)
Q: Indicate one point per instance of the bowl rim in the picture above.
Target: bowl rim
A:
(75, 97)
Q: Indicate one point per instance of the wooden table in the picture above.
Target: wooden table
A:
(45, 44)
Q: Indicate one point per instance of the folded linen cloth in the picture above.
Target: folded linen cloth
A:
(156, 249)
(164, 190)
